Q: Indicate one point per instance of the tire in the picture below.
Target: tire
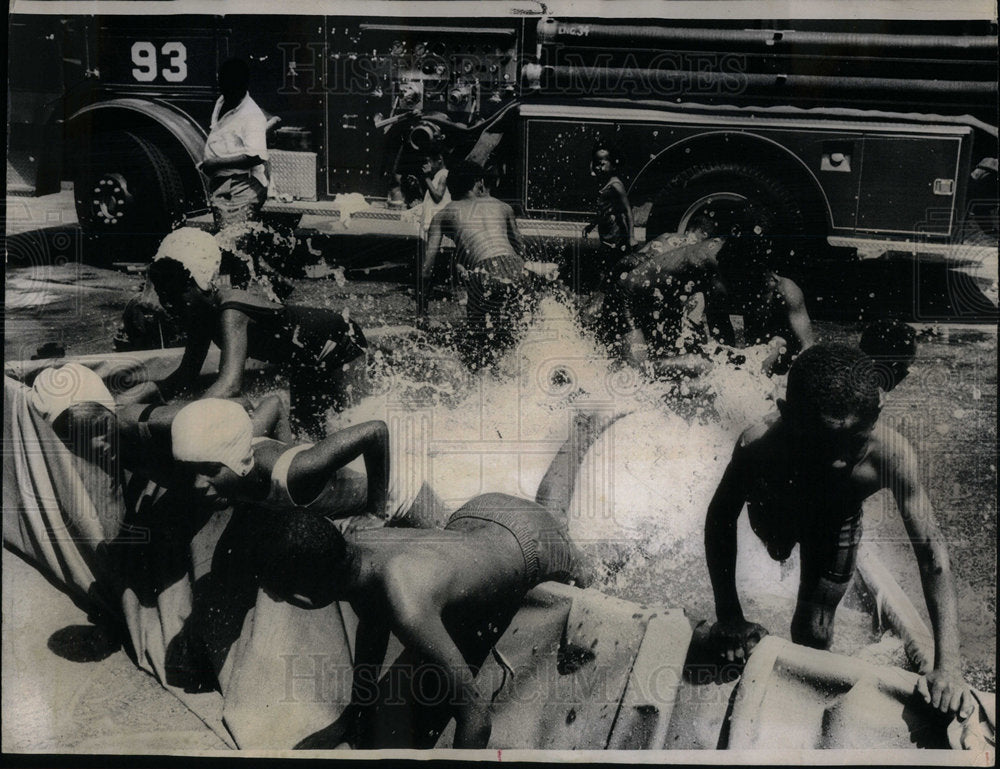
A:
(128, 194)
(729, 190)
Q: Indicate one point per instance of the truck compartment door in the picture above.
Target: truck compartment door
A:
(909, 184)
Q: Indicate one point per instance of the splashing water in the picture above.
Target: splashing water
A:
(640, 497)
(639, 500)
(264, 254)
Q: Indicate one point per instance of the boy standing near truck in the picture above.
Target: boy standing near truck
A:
(491, 249)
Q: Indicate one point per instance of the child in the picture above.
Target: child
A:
(447, 595)
(436, 197)
(81, 411)
(322, 353)
(613, 219)
(219, 458)
(491, 249)
(669, 276)
(892, 344)
(803, 474)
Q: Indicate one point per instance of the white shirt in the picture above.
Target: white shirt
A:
(240, 131)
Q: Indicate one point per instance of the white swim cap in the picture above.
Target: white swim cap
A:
(197, 250)
(214, 430)
(56, 389)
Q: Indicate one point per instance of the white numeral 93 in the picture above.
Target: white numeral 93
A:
(144, 59)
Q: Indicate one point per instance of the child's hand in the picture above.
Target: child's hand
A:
(735, 639)
(947, 691)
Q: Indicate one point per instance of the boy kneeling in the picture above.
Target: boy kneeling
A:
(804, 474)
(448, 595)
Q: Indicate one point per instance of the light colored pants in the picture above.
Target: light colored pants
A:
(236, 200)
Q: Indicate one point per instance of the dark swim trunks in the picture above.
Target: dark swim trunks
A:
(545, 544)
(828, 540)
(494, 285)
(311, 346)
(498, 300)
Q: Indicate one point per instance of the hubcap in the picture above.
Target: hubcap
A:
(110, 199)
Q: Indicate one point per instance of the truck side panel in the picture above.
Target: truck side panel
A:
(865, 180)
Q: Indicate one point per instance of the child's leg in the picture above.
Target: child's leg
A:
(827, 564)
(556, 489)
(812, 623)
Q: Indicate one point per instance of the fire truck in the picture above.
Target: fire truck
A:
(845, 130)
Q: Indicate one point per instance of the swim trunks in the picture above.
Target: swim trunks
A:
(828, 542)
(498, 300)
(312, 346)
(545, 545)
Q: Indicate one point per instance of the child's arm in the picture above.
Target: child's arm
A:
(270, 419)
(312, 469)
(417, 623)
(234, 352)
(735, 636)
(798, 316)
(370, 645)
(186, 374)
(943, 687)
(625, 211)
(425, 280)
(514, 233)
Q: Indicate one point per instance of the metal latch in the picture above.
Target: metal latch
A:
(944, 186)
(837, 156)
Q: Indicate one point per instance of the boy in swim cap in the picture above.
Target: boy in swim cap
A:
(213, 442)
(803, 474)
(448, 595)
(81, 410)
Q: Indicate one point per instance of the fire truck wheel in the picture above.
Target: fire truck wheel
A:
(723, 192)
(129, 194)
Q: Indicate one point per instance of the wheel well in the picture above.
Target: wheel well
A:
(734, 147)
(84, 126)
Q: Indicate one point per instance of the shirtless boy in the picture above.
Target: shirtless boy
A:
(490, 248)
(675, 272)
(447, 595)
(772, 305)
(803, 475)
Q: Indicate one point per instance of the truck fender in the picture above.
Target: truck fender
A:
(188, 134)
(651, 174)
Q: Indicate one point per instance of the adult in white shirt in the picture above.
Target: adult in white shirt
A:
(236, 150)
